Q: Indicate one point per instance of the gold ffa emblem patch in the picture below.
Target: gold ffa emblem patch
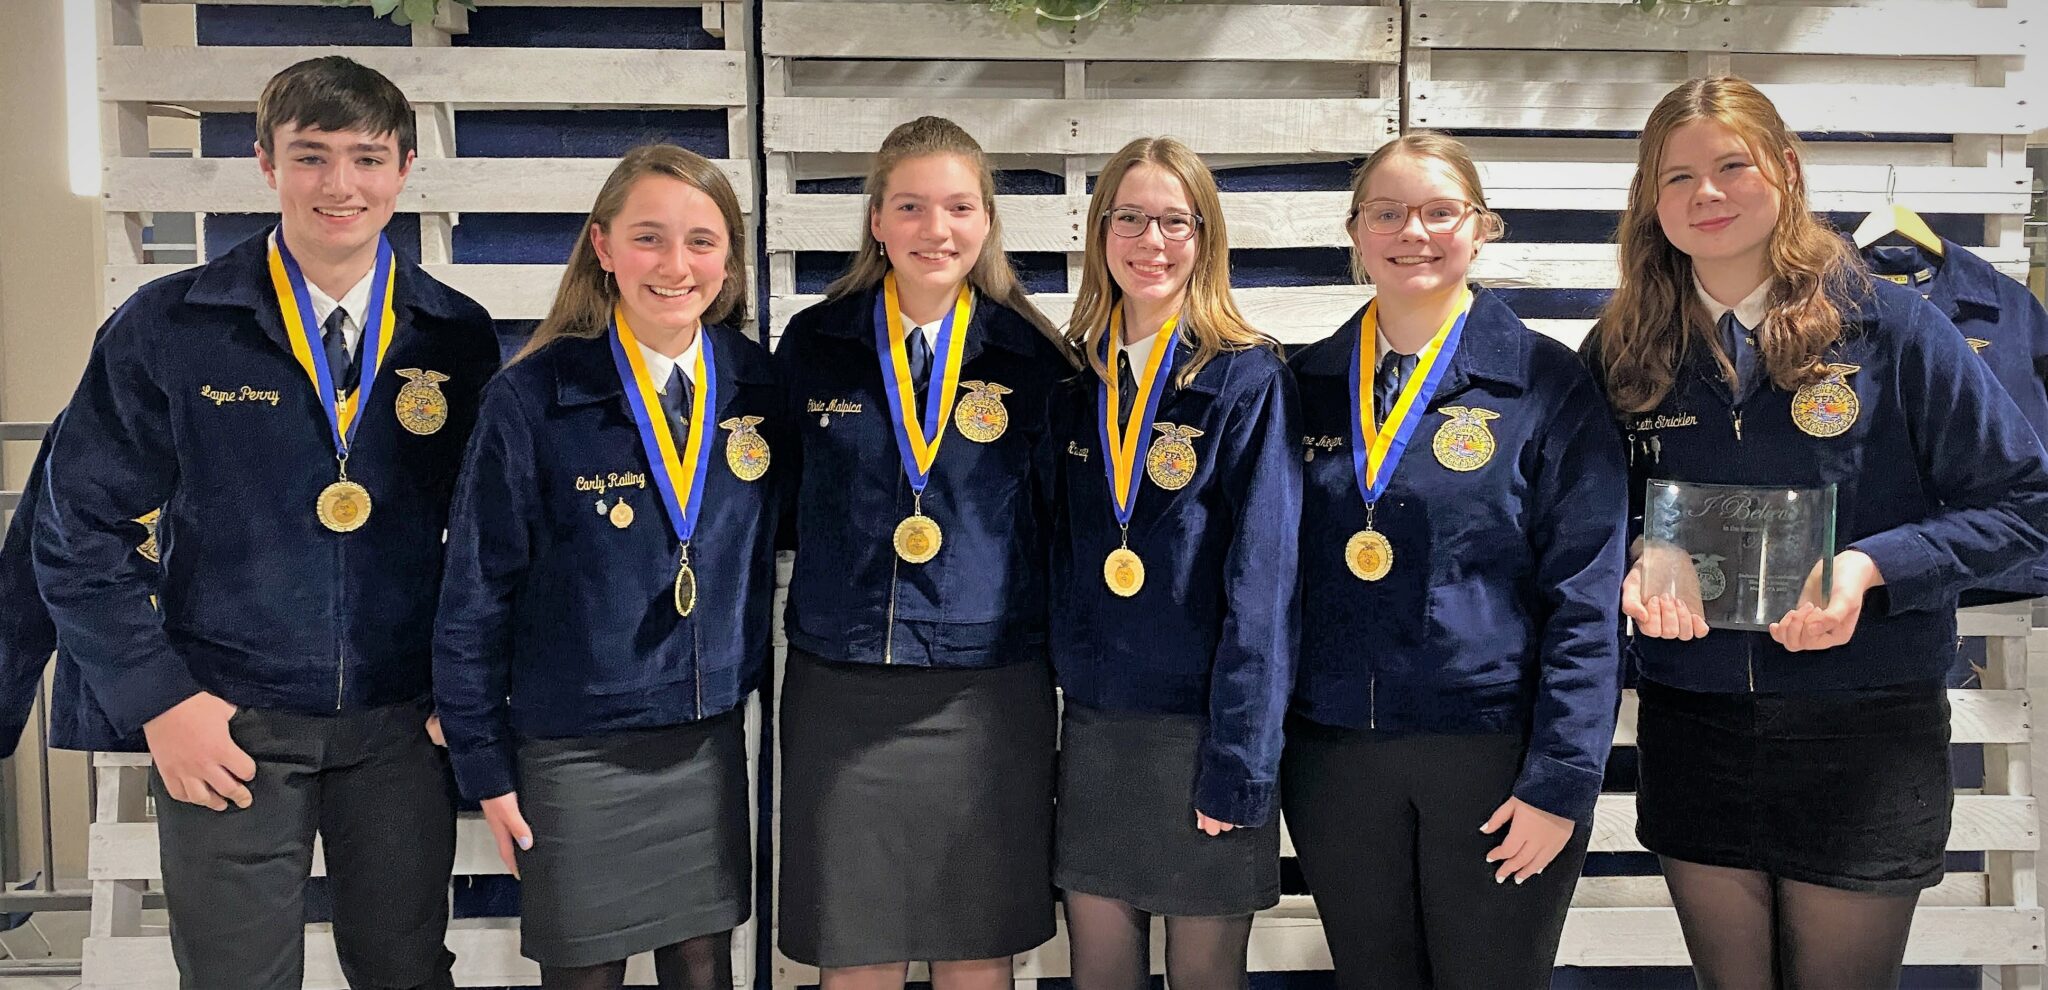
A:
(1827, 408)
(746, 450)
(422, 408)
(1977, 344)
(1464, 443)
(1171, 462)
(980, 416)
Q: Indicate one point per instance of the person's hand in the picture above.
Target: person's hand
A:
(1211, 825)
(508, 827)
(1535, 837)
(434, 731)
(1662, 594)
(1813, 626)
(195, 755)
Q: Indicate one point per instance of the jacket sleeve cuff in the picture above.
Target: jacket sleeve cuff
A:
(1227, 796)
(142, 693)
(1559, 788)
(1913, 574)
(483, 772)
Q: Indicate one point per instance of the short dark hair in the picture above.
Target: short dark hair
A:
(334, 93)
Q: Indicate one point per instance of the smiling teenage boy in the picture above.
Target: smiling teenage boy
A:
(297, 408)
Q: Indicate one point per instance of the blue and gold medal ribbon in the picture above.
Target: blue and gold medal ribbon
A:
(1376, 448)
(1122, 441)
(917, 438)
(304, 334)
(679, 469)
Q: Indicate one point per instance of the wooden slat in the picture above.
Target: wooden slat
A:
(1986, 716)
(229, 78)
(1790, 30)
(1598, 185)
(1082, 127)
(437, 185)
(2013, 619)
(129, 851)
(1598, 106)
(1243, 33)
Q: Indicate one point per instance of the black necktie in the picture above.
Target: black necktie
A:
(1395, 368)
(920, 359)
(1126, 387)
(341, 363)
(676, 399)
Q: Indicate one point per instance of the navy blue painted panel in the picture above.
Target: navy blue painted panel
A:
(228, 135)
(1272, 267)
(225, 230)
(585, 133)
(321, 25)
(1009, 182)
(588, 27)
(516, 238)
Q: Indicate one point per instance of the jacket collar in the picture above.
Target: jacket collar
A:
(585, 374)
(1961, 276)
(241, 279)
(992, 325)
(1494, 348)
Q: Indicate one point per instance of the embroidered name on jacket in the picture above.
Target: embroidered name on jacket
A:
(607, 482)
(835, 406)
(1663, 422)
(247, 393)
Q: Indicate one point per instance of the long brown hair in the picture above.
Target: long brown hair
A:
(1815, 270)
(1209, 316)
(584, 301)
(1425, 146)
(992, 276)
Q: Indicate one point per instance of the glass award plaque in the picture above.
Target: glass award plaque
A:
(1739, 556)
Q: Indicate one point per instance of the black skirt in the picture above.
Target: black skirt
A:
(640, 840)
(916, 812)
(1842, 789)
(1127, 821)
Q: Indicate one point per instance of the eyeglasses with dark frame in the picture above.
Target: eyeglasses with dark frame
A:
(1439, 216)
(1127, 222)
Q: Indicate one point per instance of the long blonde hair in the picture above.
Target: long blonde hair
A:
(1815, 270)
(584, 301)
(1425, 146)
(1209, 316)
(992, 276)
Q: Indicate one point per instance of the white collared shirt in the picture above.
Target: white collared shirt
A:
(1750, 312)
(355, 302)
(930, 331)
(660, 366)
(1140, 353)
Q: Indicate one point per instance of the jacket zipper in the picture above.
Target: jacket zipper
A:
(889, 633)
(1372, 702)
(340, 644)
(1748, 647)
(697, 663)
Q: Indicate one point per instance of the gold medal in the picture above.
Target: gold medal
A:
(1369, 555)
(1829, 407)
(1464, 443)
(621, 514)
(980, 416)
(343, 506)
(1123, 572)
(1171, 462)
(746, 451)
(918, 538)
(686, 589)
(422, 408)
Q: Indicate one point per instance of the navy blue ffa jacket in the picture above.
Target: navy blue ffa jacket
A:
(1214, 628)
(557, 611)
(2007, 327)
(981, 601)
(1941, 482)
(192, 402)
(1501, 612)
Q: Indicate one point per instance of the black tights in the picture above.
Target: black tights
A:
(701, 963)
(1750, 931)
(1111, 943)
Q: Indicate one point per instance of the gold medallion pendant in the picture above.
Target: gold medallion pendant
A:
(980, 416)
(1829, 407)
(746, 450)
(1464, 443)
(686, 589)
(1369, 555)
(918, 538)
(1123, 572)
(1171, 462)
(343, 506)
(621, 514)
(422, 408)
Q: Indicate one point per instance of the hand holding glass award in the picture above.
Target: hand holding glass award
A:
(1739, 556)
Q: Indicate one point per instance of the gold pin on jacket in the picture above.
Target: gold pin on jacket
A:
(422, 406)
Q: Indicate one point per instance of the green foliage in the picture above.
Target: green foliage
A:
(403, 11)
